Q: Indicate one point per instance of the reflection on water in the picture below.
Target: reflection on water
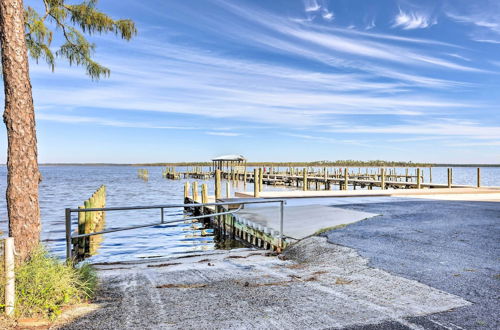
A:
(69, 186)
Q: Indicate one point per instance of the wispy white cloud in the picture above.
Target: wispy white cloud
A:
(339, 42)
(413, 20)
(323, 139)
(489, 41)
(223, 133)
(484, 19)
(327, 15)
(445, 127)
(313, 8)
(371, 24)
(311, 5)
(474, 144)
(75, 119)
(459, 56)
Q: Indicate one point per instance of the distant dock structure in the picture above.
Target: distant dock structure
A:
(259, 226)
(235, 162)
(234, 168)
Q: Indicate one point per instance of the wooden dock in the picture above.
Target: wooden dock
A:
(329, 178)
(258, 227)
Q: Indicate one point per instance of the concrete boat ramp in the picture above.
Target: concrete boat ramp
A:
(316, 283)
(303, 220)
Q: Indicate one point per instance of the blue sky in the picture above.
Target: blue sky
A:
(281, 80)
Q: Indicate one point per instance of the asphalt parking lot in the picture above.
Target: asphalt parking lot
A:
(453, 246)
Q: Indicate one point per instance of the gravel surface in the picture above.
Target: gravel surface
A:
(315, 285)
(449, 245)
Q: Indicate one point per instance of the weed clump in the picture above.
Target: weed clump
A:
(44, 284)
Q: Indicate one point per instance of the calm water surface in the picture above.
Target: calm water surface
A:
(69, 186)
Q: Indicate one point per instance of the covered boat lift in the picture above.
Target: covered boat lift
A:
(229, 161)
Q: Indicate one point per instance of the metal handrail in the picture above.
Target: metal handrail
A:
(69, 211)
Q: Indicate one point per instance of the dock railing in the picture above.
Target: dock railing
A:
(73, 239)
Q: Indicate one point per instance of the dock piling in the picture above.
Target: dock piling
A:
(186, 190)
(218, 192)
(261, 178)
(195, 192)
(204, 193)
(304, 179)
(255, 183)
(346, 178)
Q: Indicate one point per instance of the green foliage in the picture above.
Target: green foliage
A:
(44, 284)
(327, 229)
(73, 20)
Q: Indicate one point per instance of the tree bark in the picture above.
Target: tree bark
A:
(19, 117)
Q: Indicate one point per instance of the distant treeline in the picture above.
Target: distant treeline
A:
(339, 163)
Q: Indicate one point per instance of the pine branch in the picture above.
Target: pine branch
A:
(76, 48)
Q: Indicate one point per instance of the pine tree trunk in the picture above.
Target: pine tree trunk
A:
(19, 117)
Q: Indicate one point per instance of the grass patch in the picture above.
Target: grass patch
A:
(44, 284)
(324, 230)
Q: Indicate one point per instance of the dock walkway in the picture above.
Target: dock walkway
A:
(327, 178)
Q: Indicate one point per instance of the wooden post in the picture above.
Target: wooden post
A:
(430, 174)
(382, 178)
(346, 178)
(255, 183)
(418, 179)
(87, 227)
(304, 179)
(478, 177)
(228, 189)
(261, 178)
(450, 180)
(81, 230)
(10, 280)
(218, 192)
(195, 192)
(186, 190)
(93, 223)
(204, 193)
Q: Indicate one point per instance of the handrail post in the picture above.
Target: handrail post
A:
(281, 222)
(162, 216)
(68, 234)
